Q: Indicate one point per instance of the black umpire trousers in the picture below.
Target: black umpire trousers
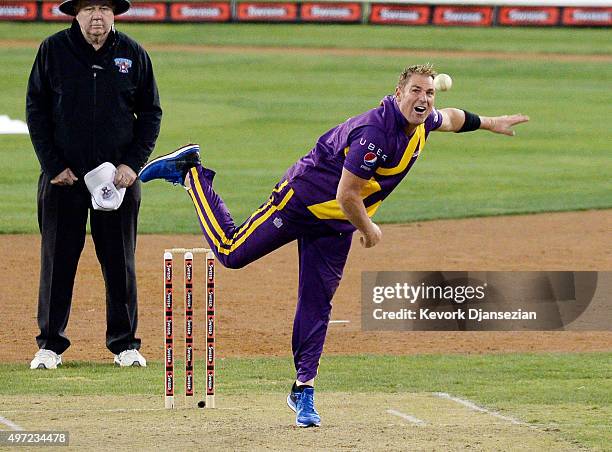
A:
(62, 219)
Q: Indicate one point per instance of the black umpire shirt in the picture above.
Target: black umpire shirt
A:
(85, 107)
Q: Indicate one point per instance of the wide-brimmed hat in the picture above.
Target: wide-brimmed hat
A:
(69, 7)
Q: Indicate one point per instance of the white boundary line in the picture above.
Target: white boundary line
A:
(409, 418)
(473, 406)
(75, 410)
(106, 410)
(10, 424)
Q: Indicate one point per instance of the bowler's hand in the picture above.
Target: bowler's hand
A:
(124, 177)
(504, 124)
(371, 237)
(66, 177)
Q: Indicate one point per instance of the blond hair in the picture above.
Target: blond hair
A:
(421, 69)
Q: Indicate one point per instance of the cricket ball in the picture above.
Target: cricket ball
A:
(201, 404)
(443, 82)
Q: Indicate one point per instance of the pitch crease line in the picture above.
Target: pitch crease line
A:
(10, 424)
(474, 407)
(103, 410)
(409, 418)
(339, 321)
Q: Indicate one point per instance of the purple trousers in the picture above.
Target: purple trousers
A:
(280, 220)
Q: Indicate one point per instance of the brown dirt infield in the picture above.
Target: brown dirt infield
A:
(256, 304)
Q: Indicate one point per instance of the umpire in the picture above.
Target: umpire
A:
(92, 98)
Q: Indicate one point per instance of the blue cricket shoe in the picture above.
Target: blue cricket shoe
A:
(172, 167)
(302, 403)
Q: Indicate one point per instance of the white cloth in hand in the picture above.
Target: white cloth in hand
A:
(104, 194)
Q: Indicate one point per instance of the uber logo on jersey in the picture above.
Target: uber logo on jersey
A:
(378, 152)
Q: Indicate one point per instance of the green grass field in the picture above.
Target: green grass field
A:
(256, 113)
(551, 40)
(566, 395)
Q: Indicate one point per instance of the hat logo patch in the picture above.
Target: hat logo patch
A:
(106, 193)
(123, 64)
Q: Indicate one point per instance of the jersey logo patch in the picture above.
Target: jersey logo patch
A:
(370, 159)
(123, 64)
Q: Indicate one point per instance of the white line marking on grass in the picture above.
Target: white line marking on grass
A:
(84, 410)
(10, 424)
(106, 410)
(339, 321)
(409, 418)
(473, 406)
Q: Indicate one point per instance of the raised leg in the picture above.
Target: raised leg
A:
(266, 230)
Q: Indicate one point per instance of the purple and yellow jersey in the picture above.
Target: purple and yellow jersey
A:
(373, 146)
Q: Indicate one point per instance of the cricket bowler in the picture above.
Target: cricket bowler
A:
(322, 200)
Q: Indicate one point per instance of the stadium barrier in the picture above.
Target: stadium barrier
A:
(393, 12)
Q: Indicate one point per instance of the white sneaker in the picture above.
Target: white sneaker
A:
(129, 358)
(46, 359)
